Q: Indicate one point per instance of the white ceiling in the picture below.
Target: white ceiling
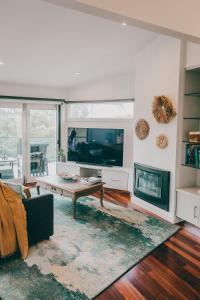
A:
(44, 44)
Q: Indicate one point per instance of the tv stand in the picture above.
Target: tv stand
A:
(119, 178)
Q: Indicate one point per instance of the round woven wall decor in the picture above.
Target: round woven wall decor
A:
(163, 109)
(162, 141)
(142, 129)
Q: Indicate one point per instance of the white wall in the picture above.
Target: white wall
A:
(157, 72)
(119, 86)
(7, 89)
(193, 55)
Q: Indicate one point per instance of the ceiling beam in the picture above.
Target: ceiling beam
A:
(177, 18)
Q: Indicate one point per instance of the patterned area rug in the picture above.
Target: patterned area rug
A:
(84, 256)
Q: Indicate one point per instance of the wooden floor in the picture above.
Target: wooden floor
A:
(172, 271)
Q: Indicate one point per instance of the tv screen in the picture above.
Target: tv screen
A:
(97, 146)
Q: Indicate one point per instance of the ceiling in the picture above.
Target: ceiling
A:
(44, 44)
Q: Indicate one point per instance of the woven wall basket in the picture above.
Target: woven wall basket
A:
(142, 129)
(162, 141)
(163, 109)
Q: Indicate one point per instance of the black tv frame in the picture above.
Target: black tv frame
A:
(96, 164)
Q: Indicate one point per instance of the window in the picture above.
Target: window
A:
(102, 110)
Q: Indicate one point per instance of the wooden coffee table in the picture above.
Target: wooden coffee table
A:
(74, 190)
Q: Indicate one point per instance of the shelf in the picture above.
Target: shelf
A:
(191, 118)
(192, 94)
(191, 143)
(190, 166)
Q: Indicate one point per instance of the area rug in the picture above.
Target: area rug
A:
(85, 255)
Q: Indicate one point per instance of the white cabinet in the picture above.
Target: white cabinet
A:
(115, 179)
(188, 205)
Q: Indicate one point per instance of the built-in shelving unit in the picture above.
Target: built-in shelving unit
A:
(188, 195)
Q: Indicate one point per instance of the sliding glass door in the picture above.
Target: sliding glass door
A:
(11, 154)
(42, 140)
(28, 140)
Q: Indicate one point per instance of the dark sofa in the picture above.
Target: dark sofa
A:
(39, 213)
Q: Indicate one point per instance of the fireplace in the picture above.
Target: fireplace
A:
(152, 185)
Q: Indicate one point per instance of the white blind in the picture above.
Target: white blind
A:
(101, 110)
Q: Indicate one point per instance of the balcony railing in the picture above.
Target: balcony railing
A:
(11, 157)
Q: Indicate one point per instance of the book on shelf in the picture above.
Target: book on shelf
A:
(192, 155)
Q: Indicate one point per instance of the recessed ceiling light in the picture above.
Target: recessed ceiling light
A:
(124, 24)
(1, 63)
(77, 73)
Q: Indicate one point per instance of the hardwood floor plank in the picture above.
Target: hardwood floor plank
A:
(193, 271)
(140, 286)
(185, 247)
(182, 253)
(111, 294)
(190, 236)
(188, 241)
(128, 290)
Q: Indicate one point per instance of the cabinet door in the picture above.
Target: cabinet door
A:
(188, 208)
(115, 180)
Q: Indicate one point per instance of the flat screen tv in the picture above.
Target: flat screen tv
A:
(98, 146)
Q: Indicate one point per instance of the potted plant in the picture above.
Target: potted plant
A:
(61, 155)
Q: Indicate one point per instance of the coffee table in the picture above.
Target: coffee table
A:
(74, 190)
